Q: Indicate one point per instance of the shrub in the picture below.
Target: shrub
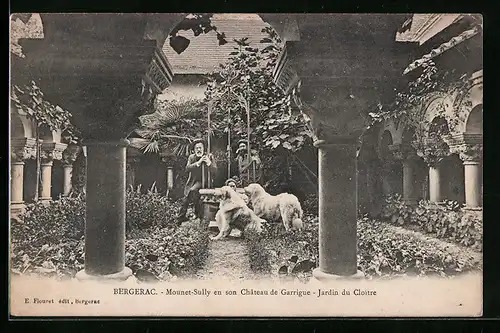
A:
(310, 204)
(50, 240)
(50, 222)
(383, 251)
(445, 220)
(169, 251)
(146, 210)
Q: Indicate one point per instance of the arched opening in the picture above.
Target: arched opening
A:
(16, 127)
(474, 123)
(419, 168)
(439, 126)
(29, 182)
(45, 134)
(57, 181)
(392, 175)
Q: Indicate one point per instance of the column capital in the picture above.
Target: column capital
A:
(70, 154)
(469, 147)
(22, 149)
(52, 151)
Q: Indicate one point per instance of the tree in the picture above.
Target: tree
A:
(245, 83)
(173, 125)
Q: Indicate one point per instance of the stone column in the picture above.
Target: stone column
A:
(69, 157)
(409, 195)
(50, 151)
(435, 194)
(471, 157)
(22, 149)
(337, 209)
(105, 212)
(170, 177)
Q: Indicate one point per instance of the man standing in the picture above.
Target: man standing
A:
(194, 183)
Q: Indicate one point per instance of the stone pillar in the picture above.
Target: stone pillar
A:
(337, 209)
(69, 157)
(17, 173)
(22, 149)
(435, 194)
(46, 179)
(170, 177)
(409, 181)
(105, 212)
(471, 155)
(50, 151)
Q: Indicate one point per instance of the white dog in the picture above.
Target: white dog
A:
(272, 207)
(234, 213)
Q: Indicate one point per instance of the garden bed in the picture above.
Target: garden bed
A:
(50, 240)
(447, 220)
(384, 251)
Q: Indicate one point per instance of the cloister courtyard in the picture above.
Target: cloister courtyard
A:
(374, 122)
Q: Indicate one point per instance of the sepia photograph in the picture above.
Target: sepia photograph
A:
(246, 165)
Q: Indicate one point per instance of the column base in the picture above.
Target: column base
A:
(411, 202)
(474, 209)
(45, 198)
(324, 277)
(120, 276)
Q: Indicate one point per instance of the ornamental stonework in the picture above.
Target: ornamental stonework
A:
(70, 154)
(22, 149)
(51, 152)
(469, 153)
(20, 154)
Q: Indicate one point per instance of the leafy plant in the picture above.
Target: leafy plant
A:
(168, 252)
(444, 220)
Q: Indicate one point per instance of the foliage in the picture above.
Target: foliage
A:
(383, 251)
(407, 105)
(311, 204)
(50, 240)
(146, 210)
(30, 99)
(446, 220)
(173, 125)
(167, 252)
(245, 82)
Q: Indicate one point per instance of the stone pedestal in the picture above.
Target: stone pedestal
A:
(337, 209)
(435, 194)
(472, 170)
(105, 211)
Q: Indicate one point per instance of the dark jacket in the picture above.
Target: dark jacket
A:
(194, 178)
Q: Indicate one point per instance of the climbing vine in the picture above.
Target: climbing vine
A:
(434, 85)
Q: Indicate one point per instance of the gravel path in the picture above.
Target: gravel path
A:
(228, 260)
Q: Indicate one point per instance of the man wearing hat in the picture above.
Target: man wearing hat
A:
(245, 164)
(194, 182)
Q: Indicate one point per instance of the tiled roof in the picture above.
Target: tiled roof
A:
(204, 53)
